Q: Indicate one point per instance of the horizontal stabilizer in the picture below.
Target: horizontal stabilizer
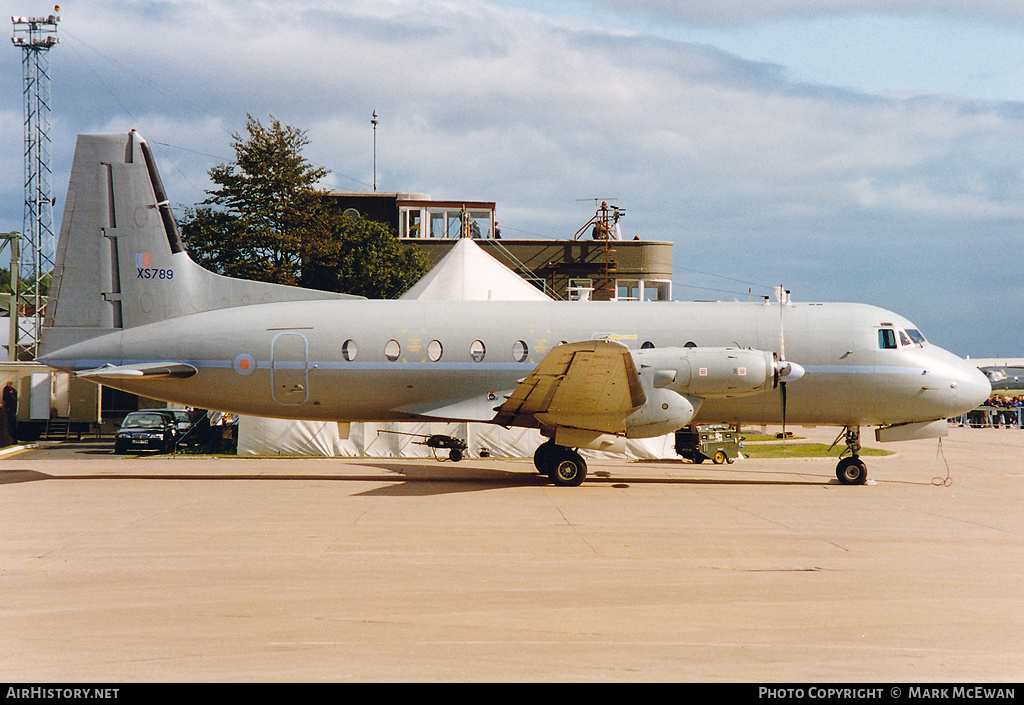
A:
(155, 370)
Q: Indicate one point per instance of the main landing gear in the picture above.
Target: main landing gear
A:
(851, 470)
(564, 466)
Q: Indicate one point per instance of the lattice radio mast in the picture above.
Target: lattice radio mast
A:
(35, 36)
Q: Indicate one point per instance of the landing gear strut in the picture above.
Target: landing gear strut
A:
(564, 466)
(851, 470)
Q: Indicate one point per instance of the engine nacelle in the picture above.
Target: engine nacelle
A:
(707, 373)
(666, 411)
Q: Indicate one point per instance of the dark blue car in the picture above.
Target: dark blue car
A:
(146, 430)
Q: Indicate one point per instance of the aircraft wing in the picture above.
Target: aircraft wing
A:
(144, 370)
(589, 385)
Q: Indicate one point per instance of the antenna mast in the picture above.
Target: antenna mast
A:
(35, 36)
(373, 121)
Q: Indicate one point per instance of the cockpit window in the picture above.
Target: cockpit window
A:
(916, 336)
(893, 338)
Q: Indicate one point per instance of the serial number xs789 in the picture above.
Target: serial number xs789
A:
(154, 273)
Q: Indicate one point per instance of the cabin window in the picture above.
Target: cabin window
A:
(520, 351)
(349, 350)
(477, 350)
(887, 339)
(392, 350)
(434, 350)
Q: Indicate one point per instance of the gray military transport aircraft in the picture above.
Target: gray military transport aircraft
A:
(131, 310)
(1003, 373)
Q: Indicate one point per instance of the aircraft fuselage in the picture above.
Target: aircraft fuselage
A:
(357, 360)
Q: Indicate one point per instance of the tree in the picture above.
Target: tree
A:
(354, 255)
(267, 221)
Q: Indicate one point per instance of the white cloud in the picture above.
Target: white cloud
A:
(751, 174)
(743, 12)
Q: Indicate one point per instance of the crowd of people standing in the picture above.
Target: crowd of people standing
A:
(999, 410)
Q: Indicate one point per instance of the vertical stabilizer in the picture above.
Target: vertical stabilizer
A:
(120, 261)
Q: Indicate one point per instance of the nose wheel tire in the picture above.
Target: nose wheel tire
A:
(852, 471)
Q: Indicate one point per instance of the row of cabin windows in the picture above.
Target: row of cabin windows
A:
(435, 350)
(888, 339)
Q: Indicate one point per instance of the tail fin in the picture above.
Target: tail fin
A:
(120, 261)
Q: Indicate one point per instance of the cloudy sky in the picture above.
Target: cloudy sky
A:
(851, 150)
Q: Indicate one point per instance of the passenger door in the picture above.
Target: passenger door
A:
(289, 358)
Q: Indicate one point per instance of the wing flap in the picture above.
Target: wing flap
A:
(590, 385)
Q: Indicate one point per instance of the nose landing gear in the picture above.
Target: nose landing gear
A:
(851, 470)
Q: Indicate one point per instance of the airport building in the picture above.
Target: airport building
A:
(594, 264)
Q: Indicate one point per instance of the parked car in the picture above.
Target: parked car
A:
(188, 434)
(154, 429)
(181, 418)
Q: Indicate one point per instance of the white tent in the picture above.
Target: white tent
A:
(465, 273)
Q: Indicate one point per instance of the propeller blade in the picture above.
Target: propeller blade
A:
(782, 389)
(785, 371)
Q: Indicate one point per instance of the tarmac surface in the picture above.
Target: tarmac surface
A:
(168, 569)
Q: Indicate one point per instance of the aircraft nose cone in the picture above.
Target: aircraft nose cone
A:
(972, 387)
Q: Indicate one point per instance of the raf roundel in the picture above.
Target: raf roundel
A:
(244, 364)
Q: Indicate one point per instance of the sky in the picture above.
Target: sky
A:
(848, 150)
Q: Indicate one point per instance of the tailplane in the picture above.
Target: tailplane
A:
(120, 261)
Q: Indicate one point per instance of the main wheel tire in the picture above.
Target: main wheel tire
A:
(567, 468)
(542, 457)
(852, 471)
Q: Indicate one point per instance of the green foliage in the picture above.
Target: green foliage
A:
(268, 222)
(359, 256)
(25, 285)
(801, 450)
